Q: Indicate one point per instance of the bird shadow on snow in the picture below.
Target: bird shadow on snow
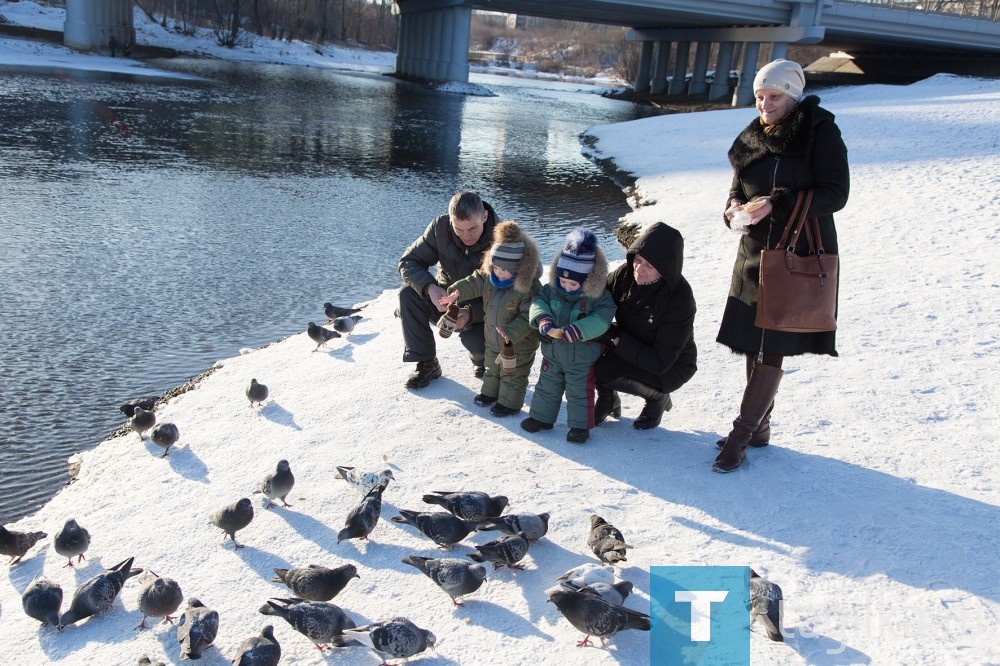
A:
(185, 462)
(280, 416)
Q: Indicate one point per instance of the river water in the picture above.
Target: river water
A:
(149, 228)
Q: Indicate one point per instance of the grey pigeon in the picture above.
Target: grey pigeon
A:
(159, 598)
(363, 518)
(256, 392)
(533, 525)
(765, 605)
(396, 638)
(196, 629)
(16, 544)
(42, 600)
(233, 517)
(507, 550)
(141, 421)
(587, 574)
(316, 583)
(144, 660)
(332, 311)
(98, 593)
(471, 505)
(456, 577)
(148, 403)
(594, 616)
(442, 528)
(316, 620)
(345, 325)
(164, 435)
(72, 541)
(615, 593)
(277, 484)
(365, 481)
(606, 541)
(320, 335)
(260, 650)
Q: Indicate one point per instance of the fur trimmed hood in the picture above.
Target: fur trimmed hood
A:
(529, 268)
(597, 280)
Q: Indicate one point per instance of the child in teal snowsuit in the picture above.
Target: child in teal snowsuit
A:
(571, 313)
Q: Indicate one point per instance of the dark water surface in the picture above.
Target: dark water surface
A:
(149, 228)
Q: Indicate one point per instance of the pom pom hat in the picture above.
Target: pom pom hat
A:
(577, 258)
(784, 76)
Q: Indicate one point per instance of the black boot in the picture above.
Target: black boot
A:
(578, 435)
(762, 435)
(757, 398)
(426, 372)
(657, 401)
(608, 403)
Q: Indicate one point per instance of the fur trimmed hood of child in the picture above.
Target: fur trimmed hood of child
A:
(597, 279)
(529, 266)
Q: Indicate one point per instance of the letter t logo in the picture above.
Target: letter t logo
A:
(701, 610)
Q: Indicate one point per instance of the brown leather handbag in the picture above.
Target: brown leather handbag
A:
(798, 294)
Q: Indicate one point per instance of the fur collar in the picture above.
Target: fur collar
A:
(793, 136)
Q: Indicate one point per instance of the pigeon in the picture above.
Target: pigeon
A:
(72, 540)
(16, 544)
(345, 325)
(396, 638)
(471, 505)
(164, 435)
(128, 409)
(507, 550)
(606, 541)
(612, 593)
(144, 660)
(442, 528)
(196, 629)
(363, 518)
(277, 484)
(160, 598)
(365, 481)
(260, 650)
(141, 421)
(232, 518)
(456, 577)
(594, 616)
(332, 311)
(534, 526)
(320, 335)
(765, 605)
(316, 620)
(42, 600)
(256, 392)
(587, 574)
(98, 593)
(316, 583)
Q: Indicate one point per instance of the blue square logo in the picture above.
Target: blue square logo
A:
(700, 615)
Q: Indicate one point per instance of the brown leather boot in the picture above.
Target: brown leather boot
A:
(757, 400)
(762, 435)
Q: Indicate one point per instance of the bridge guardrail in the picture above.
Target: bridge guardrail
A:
(988, 10)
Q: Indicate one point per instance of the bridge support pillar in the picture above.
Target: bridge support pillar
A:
(699, 86)
(434, 43)
(641, 85)
(723, 65)
(659, 83)
(90, 24)
(679, 80)
(779, 50)
(743, 94)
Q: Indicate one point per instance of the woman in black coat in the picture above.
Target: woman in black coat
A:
(651, 350)
(792, 146)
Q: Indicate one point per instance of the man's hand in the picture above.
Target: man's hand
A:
(436, 293)
(464, 316)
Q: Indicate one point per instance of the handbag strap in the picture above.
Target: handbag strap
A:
(796, 221)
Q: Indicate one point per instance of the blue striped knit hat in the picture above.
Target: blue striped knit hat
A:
(578, 255)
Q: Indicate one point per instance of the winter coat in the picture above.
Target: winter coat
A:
(654, 323)
(440, 246)
(805, 151)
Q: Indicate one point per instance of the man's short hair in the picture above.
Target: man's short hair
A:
(466, 205)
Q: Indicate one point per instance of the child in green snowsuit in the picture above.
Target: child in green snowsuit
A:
(506, 281)
(571, 313)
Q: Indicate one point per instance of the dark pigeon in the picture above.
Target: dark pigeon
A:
(148, 403)
(277, 484)
(15, 545)
(159, 598)
(165, 435)
(316, 620)
(456, 577)
(332, 311)
(594, 616)
(320, 335)
(471, 505)
(363, 518)
(507, 550)
(260, 650)
(144, 660)
(534, 526)
(98, 593)
(72, 541)
(316, 583)
(442, 528)
(42, 601)
(615, 593)
(232, 518)
(345, 325)
(365, 481)
(606, 541)
(196, 629)
(141, 421)
(256, 393)
(396, 638)
(765, 605)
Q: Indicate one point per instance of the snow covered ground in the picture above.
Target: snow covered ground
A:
(875, 508)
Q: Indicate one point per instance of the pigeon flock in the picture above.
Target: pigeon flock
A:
(591, 597)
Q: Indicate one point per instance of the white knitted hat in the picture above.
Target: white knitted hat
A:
(783, 76)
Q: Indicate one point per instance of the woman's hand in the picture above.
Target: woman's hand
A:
(757, 208)
(735, 206)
